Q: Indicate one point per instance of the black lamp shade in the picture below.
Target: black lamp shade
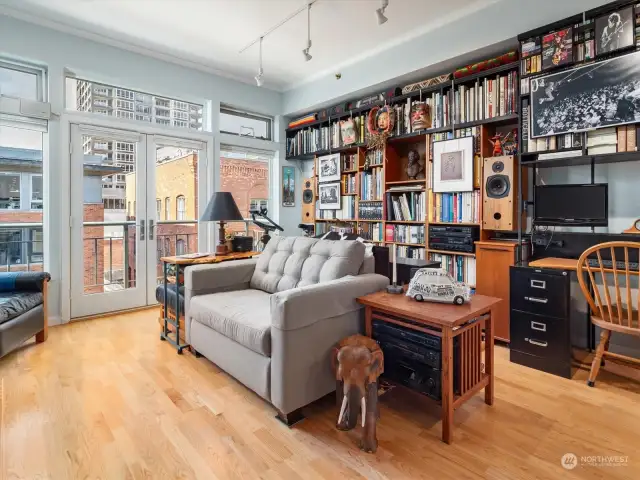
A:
(221, 207)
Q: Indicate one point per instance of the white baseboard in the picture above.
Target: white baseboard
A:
(55, 320)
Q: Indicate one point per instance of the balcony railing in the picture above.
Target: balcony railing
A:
(20, 252)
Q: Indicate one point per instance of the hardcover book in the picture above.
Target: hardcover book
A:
(557, 48)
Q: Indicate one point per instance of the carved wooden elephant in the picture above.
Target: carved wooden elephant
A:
(358, 362)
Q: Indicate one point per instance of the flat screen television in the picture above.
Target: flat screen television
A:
(572, 205)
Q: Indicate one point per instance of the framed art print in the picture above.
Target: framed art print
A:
(615, 31)
(329, 168)
(329, 196)
(288, 187)
(453, 165)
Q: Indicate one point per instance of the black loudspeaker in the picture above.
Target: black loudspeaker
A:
(308, 201)
(498, 186)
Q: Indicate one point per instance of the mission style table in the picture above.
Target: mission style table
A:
(464, 325)
(181, 262)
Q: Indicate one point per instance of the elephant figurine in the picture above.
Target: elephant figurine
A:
(358, 362)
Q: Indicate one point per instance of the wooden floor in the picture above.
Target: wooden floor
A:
(106, 399)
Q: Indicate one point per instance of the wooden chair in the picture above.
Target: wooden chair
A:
(611, 314)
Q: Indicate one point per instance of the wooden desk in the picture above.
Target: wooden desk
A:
(557, 263)
(174, 324)
(448, 322)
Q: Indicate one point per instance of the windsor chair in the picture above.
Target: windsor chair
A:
(613, 310)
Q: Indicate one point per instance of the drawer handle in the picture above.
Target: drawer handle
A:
(539, 344)
(537, 300)
(539, 284)
(541, 327)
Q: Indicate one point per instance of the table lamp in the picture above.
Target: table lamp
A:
(221, 208)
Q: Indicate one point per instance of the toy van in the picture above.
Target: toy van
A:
(436, 285)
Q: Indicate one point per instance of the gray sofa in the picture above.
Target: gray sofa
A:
(271, 321)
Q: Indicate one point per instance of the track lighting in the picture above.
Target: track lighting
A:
(380, 12)
(259, 80)
(305, 51)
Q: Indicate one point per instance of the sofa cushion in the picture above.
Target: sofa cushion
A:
(242, 315)
(13, 305)
(291, 262)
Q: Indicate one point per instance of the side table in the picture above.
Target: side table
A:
(181, 262)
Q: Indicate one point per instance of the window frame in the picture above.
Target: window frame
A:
(20, 191)
(228, 110)
(181, 214)
(32, 176)
(39, 72)
(167, 208)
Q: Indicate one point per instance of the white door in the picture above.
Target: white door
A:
(134, 199)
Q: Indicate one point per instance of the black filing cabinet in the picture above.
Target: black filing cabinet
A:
(540, 319)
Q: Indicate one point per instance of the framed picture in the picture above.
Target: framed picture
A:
(615, 31)
(557, 48)
(453, 165)
(329, 168)
(329, 196)
(602, 94)
(288, 187)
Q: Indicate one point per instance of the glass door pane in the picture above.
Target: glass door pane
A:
(109, 224)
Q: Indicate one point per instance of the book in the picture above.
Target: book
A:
(525, 125)
(631, 138)
(622, 139)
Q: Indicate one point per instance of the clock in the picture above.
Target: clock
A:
(635, 228)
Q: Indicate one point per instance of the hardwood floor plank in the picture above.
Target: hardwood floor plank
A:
(92, 402)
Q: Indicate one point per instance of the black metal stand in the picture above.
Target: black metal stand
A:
(166, 334)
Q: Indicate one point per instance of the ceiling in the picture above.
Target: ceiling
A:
(210, 33)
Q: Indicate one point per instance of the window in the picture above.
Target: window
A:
(124, 146)
(130, 105)
(35, 245)
(236, 122)
(9, 191)
(128, 209)
(181, 248)
(167, 247)
(158, 208)
(181, 208)
(258, 204)
(179, 123)
(36, 192)
(167, 208)
(18, 80)
(124, 157)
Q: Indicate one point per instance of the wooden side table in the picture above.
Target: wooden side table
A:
(174, 337)
(466, 322)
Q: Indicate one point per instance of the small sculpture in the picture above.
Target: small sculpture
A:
(415, 168)
(358, 362)
(496, 143)
(504, 144)
(420, 118)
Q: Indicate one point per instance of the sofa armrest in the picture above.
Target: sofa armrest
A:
(203, 279)
(23, 281)
(301, 307)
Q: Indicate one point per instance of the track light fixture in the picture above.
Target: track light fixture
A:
(259, 80)
(380, 12)
(305, 51)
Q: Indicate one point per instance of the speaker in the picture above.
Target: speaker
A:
(308, 201)
(500, 210)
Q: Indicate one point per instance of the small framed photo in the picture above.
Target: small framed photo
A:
(329, 196)
(453, 165)
(615, 31)
(329, 168)
(288, 187)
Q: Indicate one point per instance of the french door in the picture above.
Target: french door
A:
(134, 199)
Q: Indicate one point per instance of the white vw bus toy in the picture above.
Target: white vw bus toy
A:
(437, 285)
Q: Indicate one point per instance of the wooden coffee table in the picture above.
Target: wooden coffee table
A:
(468, 323)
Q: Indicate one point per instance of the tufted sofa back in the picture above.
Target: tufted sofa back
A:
(290, 262)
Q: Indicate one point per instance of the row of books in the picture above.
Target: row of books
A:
(405, 234)
(374, 157)
(486, 99)
(406, 207)
(349, 183)
(308, 140)
(628, 136)
(460, 207)
(371, 185)
(327, 227)
(349, 162)
(373, 232)
(613, 140)
(370, 210)
(460, 267)
(411, 252)
(346, 212)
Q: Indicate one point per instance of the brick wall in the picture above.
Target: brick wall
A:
(93, 250)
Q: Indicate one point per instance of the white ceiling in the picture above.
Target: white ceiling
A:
(210, 33)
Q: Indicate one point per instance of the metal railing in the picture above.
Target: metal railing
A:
(18, 254)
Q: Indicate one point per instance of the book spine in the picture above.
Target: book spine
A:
(622, 139)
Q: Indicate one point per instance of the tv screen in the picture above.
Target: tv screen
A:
(585, 205)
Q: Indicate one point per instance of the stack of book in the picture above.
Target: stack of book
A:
(531, 55)
(413, 234)
(406, 207)
(349, 183)
(375, 157)
(371, 231)
(584, 42)
(602, 141)
(370, 211)
(487, 98)
(411, 252)
(628, 138)
(371, 187)
(349, 162)
(461, 268)
(308, 140)
(461, 207)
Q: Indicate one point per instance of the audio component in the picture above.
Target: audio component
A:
(308, 201)
(500, 193)
(242, 244)
(453, 238)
